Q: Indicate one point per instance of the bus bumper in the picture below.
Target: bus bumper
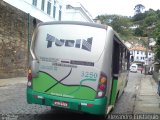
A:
(97, 106)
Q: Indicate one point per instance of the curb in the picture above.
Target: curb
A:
(12, 81)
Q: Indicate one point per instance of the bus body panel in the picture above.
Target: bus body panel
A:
(67, 60)
(70, 59)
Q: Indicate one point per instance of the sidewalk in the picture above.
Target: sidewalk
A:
(147, 100)
(12, 81)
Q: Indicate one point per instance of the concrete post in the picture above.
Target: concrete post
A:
(159, 84)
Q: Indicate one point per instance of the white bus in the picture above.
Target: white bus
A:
(78, 66)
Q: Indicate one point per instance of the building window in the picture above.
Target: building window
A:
(54, 9)
(34, 2)
(137, 57)
(60, 12)
(49, 8)
(132, 58)
(42, 5)
(137, 52)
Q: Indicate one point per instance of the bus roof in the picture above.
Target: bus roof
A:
(75, 23)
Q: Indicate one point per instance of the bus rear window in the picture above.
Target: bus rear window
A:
(70, 42)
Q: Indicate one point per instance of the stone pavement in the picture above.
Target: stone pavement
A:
(12, 81)
(147, 99)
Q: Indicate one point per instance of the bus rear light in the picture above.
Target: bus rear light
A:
(100, 94)
(29, 75)
(29, 71)
(29, 83)
(102, 86)
(29, 78)
(103, 80)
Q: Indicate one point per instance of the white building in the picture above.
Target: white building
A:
(43, 10)
(76, 12)
(138, 54)
(52, 10)
(128, 44)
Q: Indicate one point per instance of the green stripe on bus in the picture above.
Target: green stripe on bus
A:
(113, 92)
(93, 80)
(45, 81)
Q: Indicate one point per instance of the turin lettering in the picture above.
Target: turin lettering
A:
(78, 43)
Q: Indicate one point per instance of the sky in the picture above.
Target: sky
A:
(119, 7)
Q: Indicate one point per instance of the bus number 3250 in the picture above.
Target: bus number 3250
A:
(91, 75)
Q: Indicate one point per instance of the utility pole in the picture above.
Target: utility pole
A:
(146, 64)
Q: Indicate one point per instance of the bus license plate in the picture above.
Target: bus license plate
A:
(61, 103)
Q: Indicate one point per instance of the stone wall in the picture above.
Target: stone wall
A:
(15, 31)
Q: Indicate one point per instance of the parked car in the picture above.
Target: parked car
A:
(134, 68)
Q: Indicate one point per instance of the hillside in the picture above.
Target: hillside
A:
(138, 29)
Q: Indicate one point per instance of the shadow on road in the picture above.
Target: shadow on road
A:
(59, 115)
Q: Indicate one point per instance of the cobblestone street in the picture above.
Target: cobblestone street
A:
(13, 101)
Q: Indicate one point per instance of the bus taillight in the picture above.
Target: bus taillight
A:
(29, 77)
(102, 86)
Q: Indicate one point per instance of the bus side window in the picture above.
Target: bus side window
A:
(128, 60)
(115, 61)
(120, 59)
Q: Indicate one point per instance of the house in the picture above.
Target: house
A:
(128, 44)
(139, 53)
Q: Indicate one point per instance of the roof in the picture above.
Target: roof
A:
(138, 48)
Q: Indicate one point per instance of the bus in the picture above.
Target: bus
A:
(77, 66)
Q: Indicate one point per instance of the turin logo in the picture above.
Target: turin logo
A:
(78, 43)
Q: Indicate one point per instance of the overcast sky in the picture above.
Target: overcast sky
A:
(119, 7)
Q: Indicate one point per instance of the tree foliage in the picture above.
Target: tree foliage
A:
(156, 34)
(139, 8)
(119, 23)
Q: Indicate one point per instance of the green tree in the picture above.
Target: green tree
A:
(120, 24)
(156, 35)
(138, 31)
(139, 8)
(138, 18)
(157, 49)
